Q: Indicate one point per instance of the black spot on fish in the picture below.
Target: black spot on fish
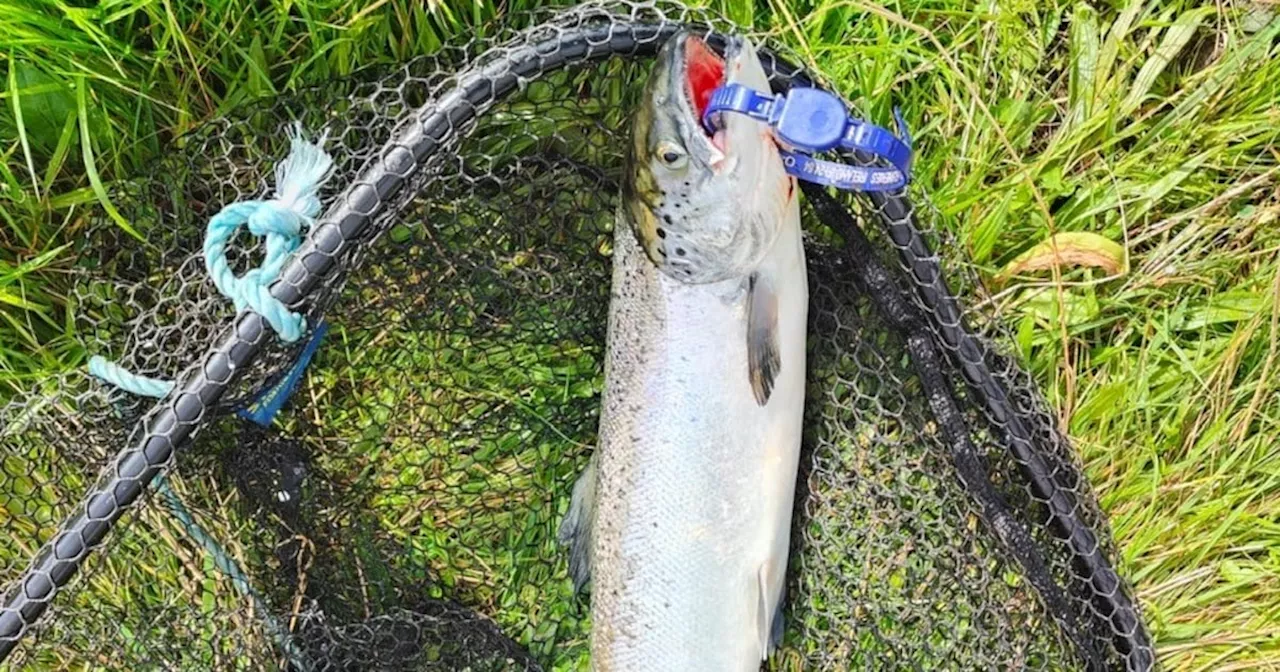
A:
(666, 218)
(688, 272)
(680, 251)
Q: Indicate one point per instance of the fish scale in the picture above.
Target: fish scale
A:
(680, 480)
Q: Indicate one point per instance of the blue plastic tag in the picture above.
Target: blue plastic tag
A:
(267, 403)
(808, 121)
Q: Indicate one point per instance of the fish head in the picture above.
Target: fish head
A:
(705, 206)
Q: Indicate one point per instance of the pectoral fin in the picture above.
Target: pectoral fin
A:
(763, 357)
(575, 529)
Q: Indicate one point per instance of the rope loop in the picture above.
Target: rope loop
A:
(280, 221)
(281, 228)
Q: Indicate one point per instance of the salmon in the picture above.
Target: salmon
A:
(681, 522)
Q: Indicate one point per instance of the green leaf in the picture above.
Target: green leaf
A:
(1075, 308)
(60, 152)
(86, 148)
(1084, 63)
(74, 197)
(1225, 308)
(45, 103)
(258, 79)
(1219, 78)
(1155, 193)
(16, 300)
(39, 261)
(1175, 39)
(1026, 335)
(15, 92)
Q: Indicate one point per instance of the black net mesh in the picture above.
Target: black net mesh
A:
(402, 513)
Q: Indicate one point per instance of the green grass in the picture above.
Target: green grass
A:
(1152, 125)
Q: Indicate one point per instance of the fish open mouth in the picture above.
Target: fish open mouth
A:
(704, 72)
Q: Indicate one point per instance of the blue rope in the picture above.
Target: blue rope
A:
(151, 387)
(281, 221)
(223, 561)
(120, 377)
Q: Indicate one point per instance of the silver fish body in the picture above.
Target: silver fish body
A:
(684, 515)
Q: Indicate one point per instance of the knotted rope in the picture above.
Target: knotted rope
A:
(281, 221)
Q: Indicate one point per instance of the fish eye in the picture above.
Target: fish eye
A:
(671, 154)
